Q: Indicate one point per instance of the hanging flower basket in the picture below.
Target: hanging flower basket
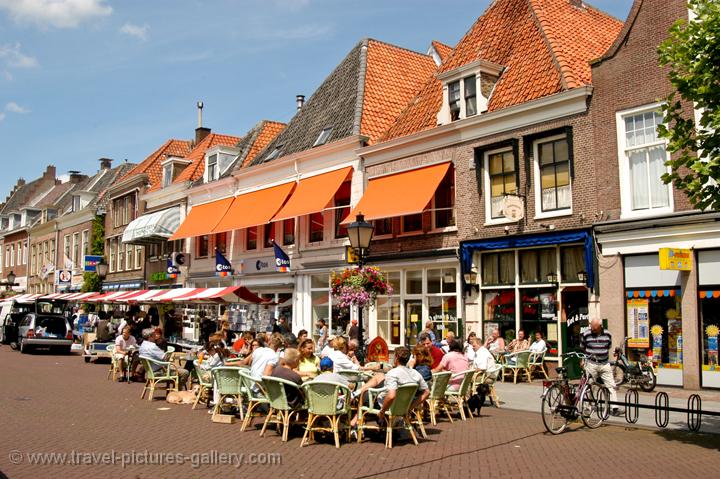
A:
(358, 286)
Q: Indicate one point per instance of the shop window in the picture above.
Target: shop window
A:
(552, 175)
(203, 246)
(412, 223)
(444, 202)
(536, 264)
(499, 312)
(388, 318)
(414, 282)
(442, 311)
(269, 234)
(383, 227)
(501, 180)
(316, 227)
(441, 281)
(710, 330)
(572, 262)
(539, 312)
(498, 268)
(289, 231)
(251, 238)
(320, 281)
(342, 209)
(221, 242)
(654, 320)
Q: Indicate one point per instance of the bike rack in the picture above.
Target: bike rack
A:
(662, 409)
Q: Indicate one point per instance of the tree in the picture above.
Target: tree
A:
(91, 281)
(692, 51)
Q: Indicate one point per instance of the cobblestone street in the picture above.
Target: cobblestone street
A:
(58, 404)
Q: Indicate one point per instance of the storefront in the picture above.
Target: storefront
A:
(709, 297)
(534, 283)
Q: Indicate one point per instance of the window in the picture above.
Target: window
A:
(19, 253)
(498, 268)
(388, 311)
(323, 137)
(52, 252)
(316, 227)
(572, 262)
(221, 242)
(274, 154)
(12, 255)
(33, 261)
(111, 248)
(66, 249)
(129, 257)
(76, 203)
(25, 252)
(552, 169)
(383, 226)
(167, 174)
(535, 264)
(501, 178)
(454, 99)
(470, 86)
(123, 210)
(643, 157)
(212, 168)
(203, 246)
(251, 239)
(444, 202)
(76, 249)
(85, 242)
(269, 234)
(289, 231)
(138, 257)
(411, 223)
(342, 209)
(120, 254)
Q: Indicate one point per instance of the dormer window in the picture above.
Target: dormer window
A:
(167, 174)
(171, 169)
(323, 137)
(212, 168)
(76, 203)
(218, 160)
(274, 154)
(467, 90)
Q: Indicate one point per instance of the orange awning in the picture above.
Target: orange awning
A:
(313, 194)
(202, 219)
(399, 194)
(256, 208)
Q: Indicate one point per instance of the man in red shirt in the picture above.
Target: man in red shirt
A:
(437, 353)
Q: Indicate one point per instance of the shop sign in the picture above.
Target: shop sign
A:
(159, 276)
(513, 207)
(90, 263)
(259, 265)
(64, 276)
(351, 255)
(638, 323)
(676, 259)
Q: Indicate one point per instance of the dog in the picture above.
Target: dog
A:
(183, 397)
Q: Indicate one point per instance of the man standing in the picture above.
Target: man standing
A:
(596, 343)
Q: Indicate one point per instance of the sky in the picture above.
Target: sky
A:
(85, 79)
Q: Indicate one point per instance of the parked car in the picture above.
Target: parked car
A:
(11, 312)
(45, 331)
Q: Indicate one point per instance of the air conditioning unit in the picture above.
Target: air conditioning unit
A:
(180, 258)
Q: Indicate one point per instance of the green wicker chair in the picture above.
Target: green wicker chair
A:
(457, 398)
(206, 386)
(437, 400)
(537, 361)
(399, 409)
(167, 373)
(280, 410)
(254, 394)
(330, 400)
(488, 377)
(114, 364)
(355, 376)
(516, 362)
(228, 383)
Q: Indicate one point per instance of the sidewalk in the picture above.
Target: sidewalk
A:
(526, 397)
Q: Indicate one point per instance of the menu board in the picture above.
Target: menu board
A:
(638, 323)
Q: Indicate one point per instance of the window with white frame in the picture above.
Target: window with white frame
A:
(12, 255)
(138, 257)
(212, 168)
(642, 163)
(76, 249)
(501, 179)
(129, 257)
(467, 90)
(85, 242)
(51, 258)
(111, 248)
(25, 253)
(443, 202)
(120, 254)
(553, 185)
(33, 258)
(19, 253)
(167, 178)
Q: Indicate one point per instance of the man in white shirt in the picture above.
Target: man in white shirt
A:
(123, 343)
(341, 360)
(263, 359)
(484, 359)
(539, 344)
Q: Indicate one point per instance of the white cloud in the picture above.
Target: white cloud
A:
(7, 75)
(2, 116)
(137, 31)
(15, 108)
(55, 13)
(12, 57)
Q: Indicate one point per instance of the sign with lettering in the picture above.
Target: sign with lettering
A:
(90, 263)
(676, 259)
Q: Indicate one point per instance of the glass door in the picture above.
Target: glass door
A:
(413, 320)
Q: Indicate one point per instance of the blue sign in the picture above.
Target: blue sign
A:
(91, 262)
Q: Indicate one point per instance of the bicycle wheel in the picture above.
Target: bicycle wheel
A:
(651, 380)
(553, 420)
(618, 375)
(593, 405)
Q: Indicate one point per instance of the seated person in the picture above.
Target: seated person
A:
(328, 374)
(155, 349)
(302, 335)
(399, 375)
(455, 362)
(263, 359)
(287, 371)
(450, 336)
(436, 353)
(495, 344)
(124, 343)
(539, 344)
(467, 347)
(341, 359)
(484, 360)
(518, 344)
(213, 357)
(328, 348)
(423, 361)
(309, 364)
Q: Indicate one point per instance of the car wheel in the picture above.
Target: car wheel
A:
(14, 346)
(87, 359)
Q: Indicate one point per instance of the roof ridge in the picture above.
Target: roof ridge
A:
(620, 39)
(362, 74)
(398, 47)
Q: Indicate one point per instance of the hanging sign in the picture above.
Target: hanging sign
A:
(676, 259)
(90, 263)
(638, 326)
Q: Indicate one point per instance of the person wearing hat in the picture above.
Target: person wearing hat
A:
(327, 373)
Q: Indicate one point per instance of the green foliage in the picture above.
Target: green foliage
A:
(91, 281)
(692, 51)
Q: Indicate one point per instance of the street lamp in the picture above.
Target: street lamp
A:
(552, 278)
(582, 276)
(360, 234)
(10, 281)
(101, 269)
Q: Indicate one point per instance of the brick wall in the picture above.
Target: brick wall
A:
(631, 78)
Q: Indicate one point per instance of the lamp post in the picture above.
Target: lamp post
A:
(360, 233)
(10, 281)
(101, 269)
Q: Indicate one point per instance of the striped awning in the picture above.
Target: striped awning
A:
(651, 293)
(54, 296)
(231, 294)
(145, 296)
(152, 227)
(107, 297)
(175, 294)
(25, 298)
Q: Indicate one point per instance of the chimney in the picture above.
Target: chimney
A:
(20, 182)
(50, 172)
(200, 132)
(577, 3)
(300, 100)
(105, 163)
(75, 177)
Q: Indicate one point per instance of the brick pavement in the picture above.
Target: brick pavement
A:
(60, 404)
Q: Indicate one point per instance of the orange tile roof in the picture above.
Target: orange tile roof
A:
(544, 45)
(443, 50)
(393, 76)
(152, 164)
(196, 168)
(269, 131)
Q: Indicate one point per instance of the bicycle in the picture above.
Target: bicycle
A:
(563, 401)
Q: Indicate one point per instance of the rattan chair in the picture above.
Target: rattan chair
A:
(281, 411)
(398, 415)
(227, 381)
(537, 361)
(457, 398)
(166, 373)
(328, 400)
(437, 400)
(255, 396)
(114, 364)
(205, 386)
(516, 362)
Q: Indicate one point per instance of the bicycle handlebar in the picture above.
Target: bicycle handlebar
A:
(580, 355)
